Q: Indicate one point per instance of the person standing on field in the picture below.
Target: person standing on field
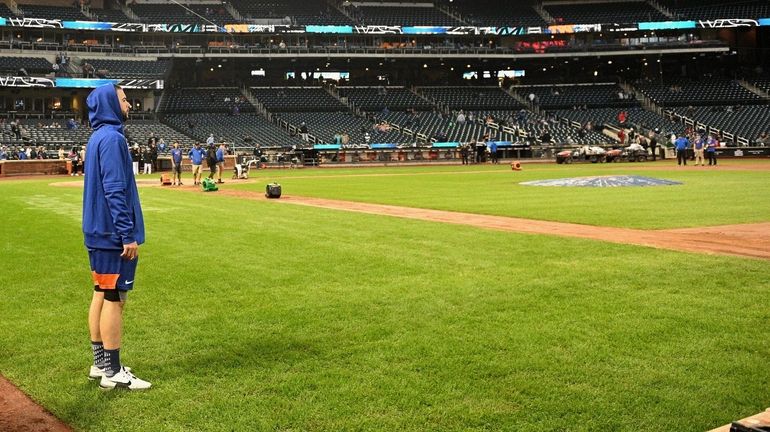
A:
(113, 228)
(176, 165)
(653, 145)
(135, 157)
(211, 160)
(147, 160)
(196, 155)
(220, 162)
(698, 147)
(711, 149)
(681, 144)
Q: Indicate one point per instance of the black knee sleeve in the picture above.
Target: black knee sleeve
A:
(113, 295)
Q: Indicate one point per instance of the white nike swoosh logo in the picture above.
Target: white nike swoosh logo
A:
(129, 282)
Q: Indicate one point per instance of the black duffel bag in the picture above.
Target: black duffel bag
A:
(273, 190)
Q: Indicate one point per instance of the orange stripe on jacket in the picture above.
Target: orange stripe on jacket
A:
(105, 281)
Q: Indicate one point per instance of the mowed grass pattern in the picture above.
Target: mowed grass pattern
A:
(706, 197)
(257, 315)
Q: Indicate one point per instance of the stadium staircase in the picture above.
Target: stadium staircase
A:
(252, 100)
(543, 13)
(754, 89)
(660, 8)
(85, 10)
(159, 108)
(646, 102)
(335, 93)
(445, 9)
(74, 66)
(422, 96)
(430, 100)
(611, 132)
(13, 6)
(233, 11)
(129, 13)
(531, 106)
(343, 11)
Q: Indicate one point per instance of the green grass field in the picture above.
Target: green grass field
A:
(257, 315)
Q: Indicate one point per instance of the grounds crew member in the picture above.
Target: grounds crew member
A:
(681, 144)
(196, 156)
(220, 162)
(176, 165)
(113, 228)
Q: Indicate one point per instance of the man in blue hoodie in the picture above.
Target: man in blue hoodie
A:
(197, 155)
(113, 227)
(681, 145)
(220, 162)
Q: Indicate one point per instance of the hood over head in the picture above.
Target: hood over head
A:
(104, 108)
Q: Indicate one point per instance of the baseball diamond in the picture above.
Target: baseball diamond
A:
(322, 215)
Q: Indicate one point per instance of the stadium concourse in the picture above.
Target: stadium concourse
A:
(325, 83)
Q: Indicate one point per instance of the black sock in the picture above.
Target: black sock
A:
(98, 349)
(111, 362)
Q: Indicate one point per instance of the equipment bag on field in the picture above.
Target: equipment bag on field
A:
(273, 190)
(209, 185)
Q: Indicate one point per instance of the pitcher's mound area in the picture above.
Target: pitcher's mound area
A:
(603, 181)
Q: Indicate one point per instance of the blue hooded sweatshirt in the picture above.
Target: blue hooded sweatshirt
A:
(681, 143)
(112, 215)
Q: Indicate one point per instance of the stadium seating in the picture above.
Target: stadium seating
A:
(391, 15)
(39, 134)
(637, 117)
(5, 11)
(499, 14)
(375, 99)
(52, 12)
(33, 65)
(568, 96)
(762, 83)
(325, 125)
(302, 12)
(441, 127)
(715, 9)
(470, 98)
(109, 15)
(131, 68)
(138, 131)
(706, 92)
(536, 125)
(233, 129)
(297, 99)
(213, 100)
(445, 127)
(745, 121)
(626, 12)
(176, 14)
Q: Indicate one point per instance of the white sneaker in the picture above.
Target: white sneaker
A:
(123, 379)
(97, 373)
